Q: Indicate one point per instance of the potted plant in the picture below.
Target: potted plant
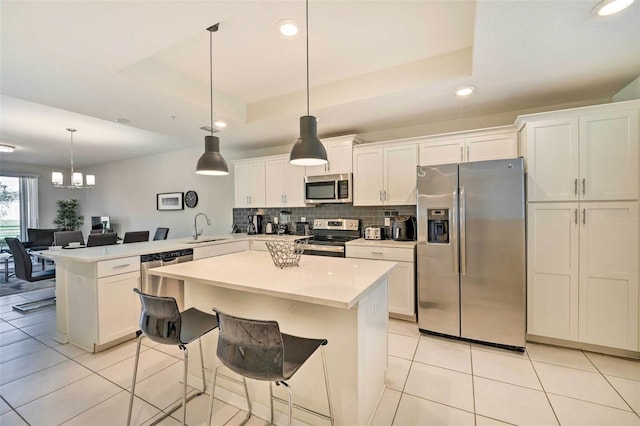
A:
(68, 217)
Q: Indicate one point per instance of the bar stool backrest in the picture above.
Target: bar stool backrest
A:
(160, 319)
(251, 348)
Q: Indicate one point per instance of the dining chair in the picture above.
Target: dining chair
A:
(162, 322)
(23, 265)
(106, 239)
(257, 350)
(135, 237)
(161, 234)
(63, 238)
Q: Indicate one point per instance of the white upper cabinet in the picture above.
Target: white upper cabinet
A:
(609, 156)
(446, 151)
(481, 146)
(583, 157)
(339, 154)
(385, 175)
(491, 147)
(284, 183)
(552, 160)
(249, 179)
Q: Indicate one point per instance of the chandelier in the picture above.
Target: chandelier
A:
(57, 178)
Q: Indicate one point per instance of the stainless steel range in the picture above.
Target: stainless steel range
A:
(331, 235)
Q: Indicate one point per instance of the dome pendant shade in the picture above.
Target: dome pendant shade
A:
(211, 162)
(308, 150)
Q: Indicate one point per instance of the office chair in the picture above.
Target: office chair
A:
(162, 322)
(135, 237)
(161, 234)
(258, 350)
(105, 239)
(63, 238)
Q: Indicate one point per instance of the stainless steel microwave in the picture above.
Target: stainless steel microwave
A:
(328, 189)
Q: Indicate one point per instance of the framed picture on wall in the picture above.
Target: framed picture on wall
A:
(170, 201)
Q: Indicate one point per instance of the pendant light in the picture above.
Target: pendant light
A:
(57, 178)
(308, 150)
(211, 162)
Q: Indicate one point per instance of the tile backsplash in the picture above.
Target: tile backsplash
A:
(371, 215)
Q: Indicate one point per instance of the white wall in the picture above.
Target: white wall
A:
(126, 191)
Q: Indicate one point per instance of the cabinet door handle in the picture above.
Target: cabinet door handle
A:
(584, 186)
(121, 266)
(380, 194)
(584, 216)
(575, 216)
(575, 186)
(461, 154)
(285, 198)
(377, 252)
(467, 152)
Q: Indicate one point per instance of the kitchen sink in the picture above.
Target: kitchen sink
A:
(205, 240)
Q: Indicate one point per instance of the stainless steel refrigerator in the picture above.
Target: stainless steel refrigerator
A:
(471, 251)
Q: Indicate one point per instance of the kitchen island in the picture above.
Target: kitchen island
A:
(342, 300)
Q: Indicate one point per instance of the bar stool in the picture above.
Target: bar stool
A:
(162, 322)
(258, 350)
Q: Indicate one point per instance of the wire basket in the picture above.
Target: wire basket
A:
(286, 253)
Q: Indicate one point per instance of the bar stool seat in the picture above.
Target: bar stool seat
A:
(257, 350)
(162, 322)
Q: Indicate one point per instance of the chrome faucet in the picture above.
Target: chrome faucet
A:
(195, 228)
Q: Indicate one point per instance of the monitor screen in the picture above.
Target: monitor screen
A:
(101, 222)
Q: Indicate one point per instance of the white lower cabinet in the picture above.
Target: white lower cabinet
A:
(102, 307)
(583, 272)
(402, 278)
(118, 306)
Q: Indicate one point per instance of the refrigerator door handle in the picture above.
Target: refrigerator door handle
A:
(463, 226)
(454, 230)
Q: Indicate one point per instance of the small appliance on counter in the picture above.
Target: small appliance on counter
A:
(302, 228)
(251, 226)
(269, 228)
(373, 232)
(404, 228)
(256, 223)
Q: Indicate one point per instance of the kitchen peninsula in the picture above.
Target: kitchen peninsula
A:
(342, 300)
(95, 305)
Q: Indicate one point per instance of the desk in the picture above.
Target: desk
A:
(4, 257)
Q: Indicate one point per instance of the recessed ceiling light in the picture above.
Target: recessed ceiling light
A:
(610, 7)
(7, 148)
(288, 27)
(465, 90)
(220, 124)
(121, 120)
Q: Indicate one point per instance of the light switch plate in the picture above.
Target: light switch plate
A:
(387, 221)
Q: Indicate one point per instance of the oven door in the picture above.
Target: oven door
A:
(324, 250)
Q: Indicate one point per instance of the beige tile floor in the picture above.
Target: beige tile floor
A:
(430, 381)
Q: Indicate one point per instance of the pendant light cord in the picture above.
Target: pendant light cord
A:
(307, 33)
(211, 75)
(71, 131)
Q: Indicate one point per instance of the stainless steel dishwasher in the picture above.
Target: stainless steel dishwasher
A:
(162, 286)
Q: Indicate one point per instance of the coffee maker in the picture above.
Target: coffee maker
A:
(256, 223)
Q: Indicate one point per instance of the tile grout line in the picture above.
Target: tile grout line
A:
(610, 384)
(14, 410)
(473, 388)
(546, 395)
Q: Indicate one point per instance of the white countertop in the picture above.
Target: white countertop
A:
(95, 254)
(328, 281)
(382, 243)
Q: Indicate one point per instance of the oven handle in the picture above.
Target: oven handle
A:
(334, 249)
